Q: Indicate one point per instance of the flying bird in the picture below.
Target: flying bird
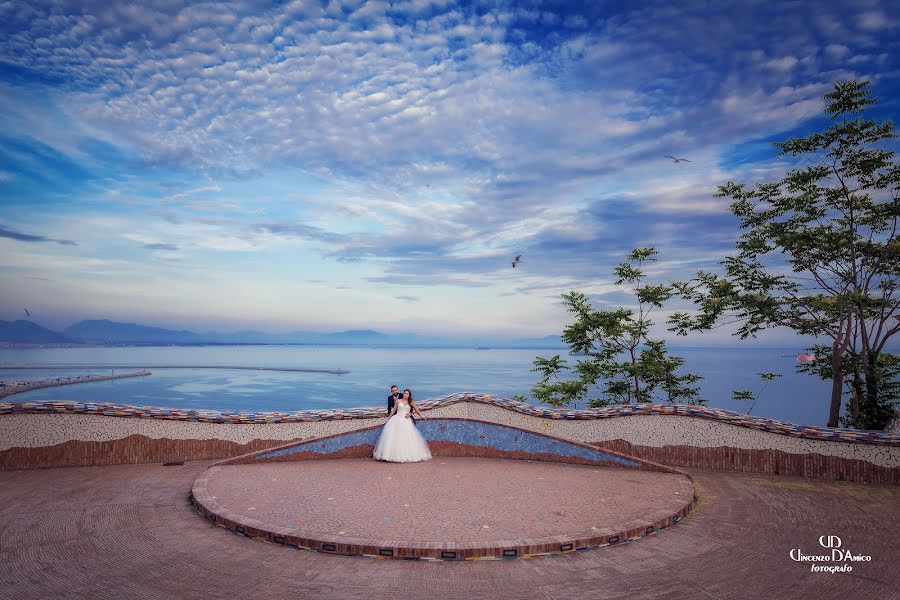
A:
(517, 260)
(27, 313)
(676, 159)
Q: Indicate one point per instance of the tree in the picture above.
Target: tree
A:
(859, 413)
(622, 362)
(819, 253)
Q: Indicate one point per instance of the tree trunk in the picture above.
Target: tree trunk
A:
(837, 384)
(873, 390)
(841, 341)
(637, 381)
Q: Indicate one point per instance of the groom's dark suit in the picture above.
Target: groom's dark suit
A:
(392, 399)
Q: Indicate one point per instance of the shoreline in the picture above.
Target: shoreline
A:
(223, 367)
(21, 387)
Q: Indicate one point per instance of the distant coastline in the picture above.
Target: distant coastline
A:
(52, 367)
(798, 347)
(25, 345)
(106, 333)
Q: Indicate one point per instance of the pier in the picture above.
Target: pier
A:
(18, 387)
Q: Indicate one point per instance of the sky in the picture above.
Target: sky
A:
(342, 165)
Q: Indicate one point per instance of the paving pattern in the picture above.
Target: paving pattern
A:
(129, 532)
(455, 502)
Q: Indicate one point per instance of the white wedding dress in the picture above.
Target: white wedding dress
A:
(400, 441)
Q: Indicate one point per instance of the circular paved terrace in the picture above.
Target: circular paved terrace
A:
(129, 531)
(444, 508)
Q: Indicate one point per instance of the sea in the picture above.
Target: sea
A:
(428, 372)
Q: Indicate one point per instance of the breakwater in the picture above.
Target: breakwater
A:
(18, 387)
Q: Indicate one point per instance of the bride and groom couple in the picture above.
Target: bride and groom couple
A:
(400, 440)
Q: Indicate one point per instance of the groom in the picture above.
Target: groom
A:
(393, 399)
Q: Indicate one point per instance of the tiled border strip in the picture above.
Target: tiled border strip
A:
(884, 438)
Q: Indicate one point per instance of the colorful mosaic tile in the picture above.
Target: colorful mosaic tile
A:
(468, 433)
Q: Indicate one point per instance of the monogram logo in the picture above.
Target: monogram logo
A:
(830, 541)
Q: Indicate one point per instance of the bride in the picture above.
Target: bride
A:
(400, 441)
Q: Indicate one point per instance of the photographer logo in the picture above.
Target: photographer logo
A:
(837, 554)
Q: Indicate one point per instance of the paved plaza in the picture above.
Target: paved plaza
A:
(129, 531)
(446, 504)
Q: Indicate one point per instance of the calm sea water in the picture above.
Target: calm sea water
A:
(429, 372)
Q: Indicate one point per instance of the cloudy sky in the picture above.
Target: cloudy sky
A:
(325, 166)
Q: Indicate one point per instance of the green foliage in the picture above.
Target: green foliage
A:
(749, 397)
(859, 413)
(868, 411)
(622, 364)
(832, 221)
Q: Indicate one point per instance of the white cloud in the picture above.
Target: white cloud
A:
(446, 138)
(837, 51)
(785, 63)
(874, 20)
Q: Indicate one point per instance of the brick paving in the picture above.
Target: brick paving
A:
(459, 503)
(129, 532)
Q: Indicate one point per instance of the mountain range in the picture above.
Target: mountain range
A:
(26, 332)
(103, 331)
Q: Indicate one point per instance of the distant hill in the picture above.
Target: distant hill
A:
(361, 335)
(110, 332)
(105, 331)
(26, 332)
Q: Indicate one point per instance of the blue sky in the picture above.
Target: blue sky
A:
(326, 166)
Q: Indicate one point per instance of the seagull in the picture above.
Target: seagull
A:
(517, 260)
(27, 313)
(677, 160)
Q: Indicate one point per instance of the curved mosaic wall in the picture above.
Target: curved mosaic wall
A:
(64, 433)
(703, 412)
(455, 437)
